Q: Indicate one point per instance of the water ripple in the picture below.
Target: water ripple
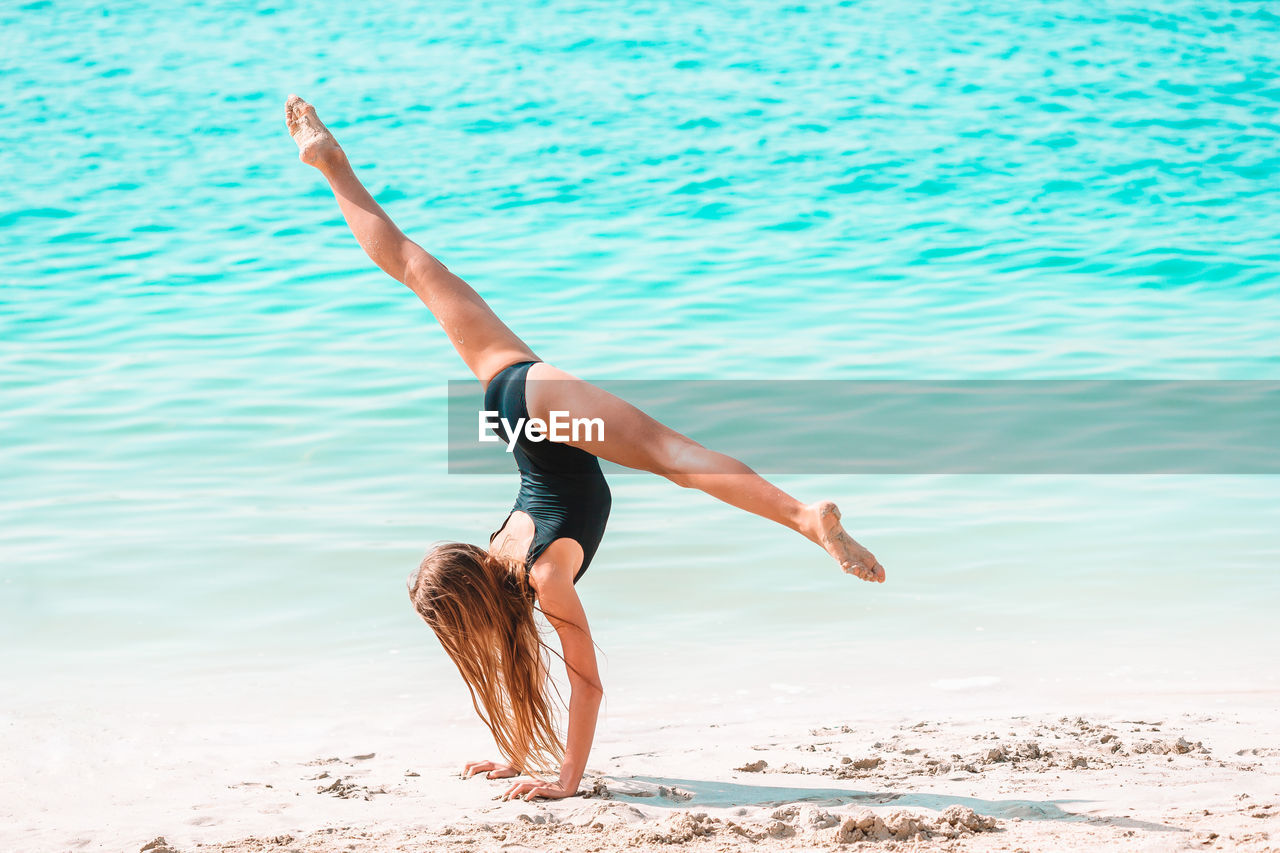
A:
(203, 383)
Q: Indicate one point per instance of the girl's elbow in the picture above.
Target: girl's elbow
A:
(589, 689)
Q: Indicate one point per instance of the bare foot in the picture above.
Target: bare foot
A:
(316, 145)
(831, 535)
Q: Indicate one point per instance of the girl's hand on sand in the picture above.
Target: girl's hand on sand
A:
(527, 789)
(491, 769)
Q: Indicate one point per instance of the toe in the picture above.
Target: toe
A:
(291, 112)
(300, 109)
(861, 571)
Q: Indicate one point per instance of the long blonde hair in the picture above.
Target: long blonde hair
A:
(481, 608)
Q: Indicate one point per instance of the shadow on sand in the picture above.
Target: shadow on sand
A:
(679, 793)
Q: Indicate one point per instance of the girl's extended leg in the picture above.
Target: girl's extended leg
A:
(634, 439)
(483, 341)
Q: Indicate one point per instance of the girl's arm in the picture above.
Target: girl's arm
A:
(559, 601)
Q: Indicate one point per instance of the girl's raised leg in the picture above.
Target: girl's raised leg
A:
(634, 439)
(484, 342)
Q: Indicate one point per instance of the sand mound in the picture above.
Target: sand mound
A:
(618, 826)
(1064, 744)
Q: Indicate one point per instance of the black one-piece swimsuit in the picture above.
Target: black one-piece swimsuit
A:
(561, 487)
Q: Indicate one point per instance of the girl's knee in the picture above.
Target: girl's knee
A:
(678, 460)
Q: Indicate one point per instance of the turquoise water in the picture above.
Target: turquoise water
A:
(223, 429)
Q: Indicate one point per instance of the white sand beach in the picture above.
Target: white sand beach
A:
(373, 782)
